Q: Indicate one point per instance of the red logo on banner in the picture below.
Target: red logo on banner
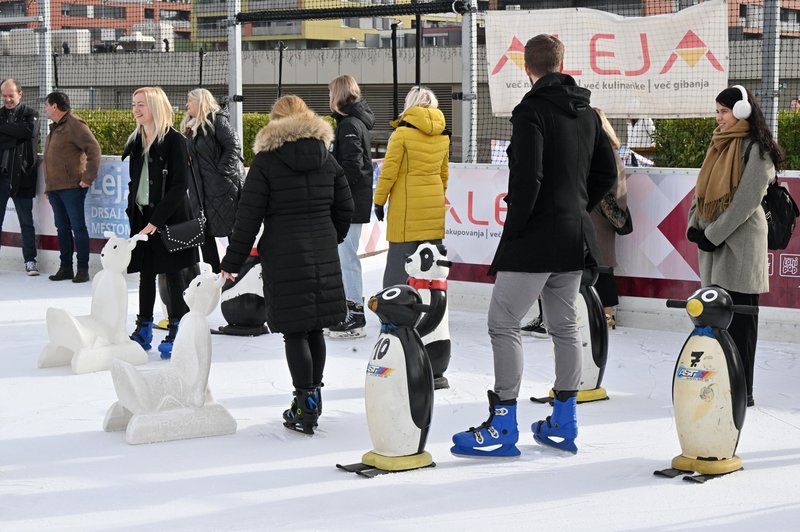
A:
(515, 52)
(691, 49)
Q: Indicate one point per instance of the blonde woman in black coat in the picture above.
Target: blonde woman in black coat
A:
(215, 156)
(298, 191)
(159, 173)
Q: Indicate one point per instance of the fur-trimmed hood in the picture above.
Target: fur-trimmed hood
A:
(291, 129)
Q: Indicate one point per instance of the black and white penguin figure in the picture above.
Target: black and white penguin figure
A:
(594, 339)
(428, 268)
(709, 394)
(593, 330)
(399, 384)
(242, 302)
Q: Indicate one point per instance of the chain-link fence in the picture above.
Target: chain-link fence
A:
(670, 63)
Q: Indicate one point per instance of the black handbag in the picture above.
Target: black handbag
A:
(184, 235)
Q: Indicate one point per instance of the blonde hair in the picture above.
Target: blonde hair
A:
(206, 105)
(289, 105)
(163, 116)
(420, 96)
(612, 135)
(344, 90)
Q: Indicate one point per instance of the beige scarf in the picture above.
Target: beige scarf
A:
(722, 168)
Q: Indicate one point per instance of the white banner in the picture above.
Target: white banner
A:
(659, 66)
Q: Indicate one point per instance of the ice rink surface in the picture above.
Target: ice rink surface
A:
(60, 471)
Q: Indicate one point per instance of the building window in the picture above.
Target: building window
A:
(149, 14)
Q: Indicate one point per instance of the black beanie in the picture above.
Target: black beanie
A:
(729, 97)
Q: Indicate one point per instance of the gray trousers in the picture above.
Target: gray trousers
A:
(513, 295)
(395, 272)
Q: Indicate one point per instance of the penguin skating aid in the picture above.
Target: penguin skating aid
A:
(708, 389)
(593, 330)
(398, 388)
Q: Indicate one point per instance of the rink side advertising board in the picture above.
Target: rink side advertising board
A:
(654, 261)
(667, 65)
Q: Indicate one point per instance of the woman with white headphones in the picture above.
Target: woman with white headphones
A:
(726, 220)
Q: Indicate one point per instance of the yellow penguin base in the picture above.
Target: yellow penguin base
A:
(589, 396)
(707, 467)
(586, 396)
(397, 463)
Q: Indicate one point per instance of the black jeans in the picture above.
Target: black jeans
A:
(305, 354)
(744, 331)
(176, 306)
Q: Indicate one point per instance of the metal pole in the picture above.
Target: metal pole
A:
(202, 54)
(394, 70)
(770, 64)
(418, 65)
(235, 70)
(469, 84)
(55, 71)
(45, 63)
(281, 48)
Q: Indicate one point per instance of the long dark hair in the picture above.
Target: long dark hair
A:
(759, 131)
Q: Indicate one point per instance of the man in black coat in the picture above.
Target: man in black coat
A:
(560, 165)
(19, 127)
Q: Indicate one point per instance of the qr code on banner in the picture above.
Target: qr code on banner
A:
(790, 266)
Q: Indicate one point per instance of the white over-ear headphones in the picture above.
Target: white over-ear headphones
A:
(742, 108)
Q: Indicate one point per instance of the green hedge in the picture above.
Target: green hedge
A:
(111, 128)
(682, 143)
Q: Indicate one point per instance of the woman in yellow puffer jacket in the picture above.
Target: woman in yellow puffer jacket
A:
(414, 180)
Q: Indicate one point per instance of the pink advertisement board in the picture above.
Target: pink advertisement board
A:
(655, 260)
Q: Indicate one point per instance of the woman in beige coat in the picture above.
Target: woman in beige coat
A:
(726, 220)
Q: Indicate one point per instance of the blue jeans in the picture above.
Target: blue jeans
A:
(351, 265)
(69, 217)
(24, 208)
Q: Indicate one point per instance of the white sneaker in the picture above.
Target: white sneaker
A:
(31, 269)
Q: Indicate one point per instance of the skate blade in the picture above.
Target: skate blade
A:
(567, 446)
(339, 335)
(294, 428)
(507, 453)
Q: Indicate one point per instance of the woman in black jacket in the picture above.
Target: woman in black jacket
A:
(215, 156)
(351, 148)
(159, 175)
(300, 194)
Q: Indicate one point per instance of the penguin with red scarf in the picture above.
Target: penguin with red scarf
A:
(428, 268)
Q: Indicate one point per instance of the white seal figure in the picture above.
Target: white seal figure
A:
(89, 343)
(174, 402)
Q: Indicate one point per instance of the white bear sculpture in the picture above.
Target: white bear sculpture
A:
(174, 402)
(90, 343)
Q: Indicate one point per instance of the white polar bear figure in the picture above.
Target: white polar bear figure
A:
(90, 343)
(174, 402)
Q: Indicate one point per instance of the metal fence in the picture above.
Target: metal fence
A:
(249, 51)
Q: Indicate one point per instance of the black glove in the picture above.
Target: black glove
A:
(699, 237)
(379, 212)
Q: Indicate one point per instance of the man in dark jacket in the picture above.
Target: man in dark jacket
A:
(71, 163)
(19, 128)
(560, 165)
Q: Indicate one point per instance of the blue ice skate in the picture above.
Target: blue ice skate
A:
(495, 438)
(562, 424)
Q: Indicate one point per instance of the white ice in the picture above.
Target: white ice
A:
(60, 471)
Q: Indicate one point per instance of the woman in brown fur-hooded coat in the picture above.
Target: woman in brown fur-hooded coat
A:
(298, 191)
